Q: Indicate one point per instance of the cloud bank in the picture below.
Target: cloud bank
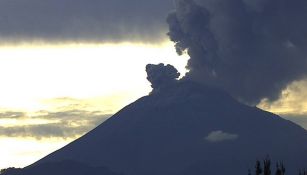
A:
(83, 20)
(65, 124)
(250, 48)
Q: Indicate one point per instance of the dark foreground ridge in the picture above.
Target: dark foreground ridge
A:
(60, 168)
(183, 129)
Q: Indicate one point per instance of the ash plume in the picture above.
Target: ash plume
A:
(161, 75)
(250, 48)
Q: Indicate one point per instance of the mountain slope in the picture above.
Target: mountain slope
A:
(186, 127)
(60, 168)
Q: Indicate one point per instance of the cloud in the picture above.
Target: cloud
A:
(291, 102)
(250, 48)
(83, 20)
(220, 136)
(11, 115)
(161, 75)
(291, 105)
(65, 124)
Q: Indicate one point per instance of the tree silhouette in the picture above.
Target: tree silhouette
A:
(280, 168)
(258, 168)
(283, 169)
(267, 166)
(304, 172)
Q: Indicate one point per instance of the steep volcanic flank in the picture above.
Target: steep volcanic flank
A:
(187, 128)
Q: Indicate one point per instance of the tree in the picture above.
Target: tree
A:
(267, 166)
(280, 169)
(258, 168)
(283, 169)
(304, 172)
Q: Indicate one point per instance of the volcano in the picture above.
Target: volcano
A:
(187, 128)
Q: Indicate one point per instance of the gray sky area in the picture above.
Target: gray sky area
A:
(83, 20)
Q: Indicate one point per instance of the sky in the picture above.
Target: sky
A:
(52, 94)
(68, 65)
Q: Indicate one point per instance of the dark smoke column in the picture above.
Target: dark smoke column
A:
(250, 48)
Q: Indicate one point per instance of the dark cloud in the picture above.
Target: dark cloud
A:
(251, 48)
(67, 124)
(83, 20)
(161, 75)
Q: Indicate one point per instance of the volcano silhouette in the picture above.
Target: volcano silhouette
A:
(187, 128)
